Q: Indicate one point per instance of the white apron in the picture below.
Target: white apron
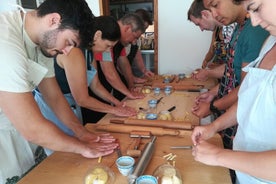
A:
(256, 113)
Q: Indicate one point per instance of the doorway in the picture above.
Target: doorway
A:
(105, 9)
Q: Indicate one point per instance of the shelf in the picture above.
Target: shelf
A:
(147, 51)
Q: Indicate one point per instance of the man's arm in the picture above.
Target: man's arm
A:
(229, 99)
(23, 112)
(125, 69)
(54, 98)
(138, 59)
(113, 78)
(210, 54)
(216, 72)
(101, 92)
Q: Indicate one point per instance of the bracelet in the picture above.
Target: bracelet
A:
(213, 108)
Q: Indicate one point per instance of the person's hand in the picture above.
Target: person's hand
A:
(135, 94)
(91, 137)
(204, 64)
(125, 111)
(148, 73)
(206, 97)
(138, 80)
(94, 150)
(200, 74)
(201, 109)
(202, 133)
(206, 153)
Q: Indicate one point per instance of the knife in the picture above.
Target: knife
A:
(159, 100)
(171, 109)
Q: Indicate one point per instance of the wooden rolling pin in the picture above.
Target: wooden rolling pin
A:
(180, 86)
(155, 123)
(122, 128)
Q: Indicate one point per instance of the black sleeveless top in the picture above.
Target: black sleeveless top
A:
(61, 76)
(117, 49)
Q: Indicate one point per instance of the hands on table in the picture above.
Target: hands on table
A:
(201, 107)
(200, 74)
(97, 144)
(135, 93)
(202, 150)
(123, 110)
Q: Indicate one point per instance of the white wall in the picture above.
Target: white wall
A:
(182, 45)
(7, 5)
(94, 5)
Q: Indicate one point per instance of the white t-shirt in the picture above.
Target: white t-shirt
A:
(21, 60)
(22, 67)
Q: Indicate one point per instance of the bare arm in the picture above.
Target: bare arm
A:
(55, 99)
(229, 99)
(216, 72)
(101, 92)
(75, 69)
(249, 162)
(226, 120)
(246, 162)
(24, 113)
(210, 54)
(140, 64)
(226, 101)
(125, 69)
(113, 78)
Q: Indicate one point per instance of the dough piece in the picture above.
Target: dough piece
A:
(98, 175)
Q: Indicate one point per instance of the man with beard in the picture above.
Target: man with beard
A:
(27, 44)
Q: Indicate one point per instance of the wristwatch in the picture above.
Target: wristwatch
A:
(213, 108)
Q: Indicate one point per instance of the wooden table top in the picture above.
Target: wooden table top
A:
(180, 84)
(182, 100)
(69, 168)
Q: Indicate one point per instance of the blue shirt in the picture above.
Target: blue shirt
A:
(248, 45)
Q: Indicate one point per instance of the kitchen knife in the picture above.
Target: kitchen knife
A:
(171, 109)
(159, 100)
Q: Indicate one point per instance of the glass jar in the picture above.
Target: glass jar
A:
(167, 174)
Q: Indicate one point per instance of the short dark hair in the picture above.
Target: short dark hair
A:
(134, 20)
(144, 15)
(75, 15)
(108, 26)
(238, 1)
(195, 9)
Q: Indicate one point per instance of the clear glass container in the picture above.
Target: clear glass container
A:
(167, 174)
(165, 115)
(99, 174)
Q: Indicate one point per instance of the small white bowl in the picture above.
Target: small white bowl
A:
(146, 179)
(151, 116)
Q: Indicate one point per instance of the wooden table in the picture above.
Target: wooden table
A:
(182, 100)
(183, 84)
(68, 168)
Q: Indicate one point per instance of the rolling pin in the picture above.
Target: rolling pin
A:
(155, 123)
(181, 87)
(142, 162)
(122, 128)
